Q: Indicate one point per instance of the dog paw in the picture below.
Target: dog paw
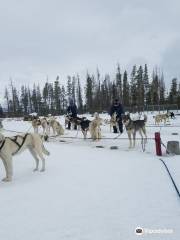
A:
(35, 170)
(42, 170)
(7, 179)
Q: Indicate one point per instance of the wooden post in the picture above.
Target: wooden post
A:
(158, 144)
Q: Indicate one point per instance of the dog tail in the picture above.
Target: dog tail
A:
(45, 151)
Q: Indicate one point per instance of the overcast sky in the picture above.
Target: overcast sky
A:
(55, 37)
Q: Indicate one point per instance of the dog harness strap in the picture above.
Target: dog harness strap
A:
(15, 140)
(19, 145)
(2, 145)
(24, 139)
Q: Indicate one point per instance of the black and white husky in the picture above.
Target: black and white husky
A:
(9, 146)
(132, 127)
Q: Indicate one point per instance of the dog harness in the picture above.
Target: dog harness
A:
(14, 139)
(3, 142)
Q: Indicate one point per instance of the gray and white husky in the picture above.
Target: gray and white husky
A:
(132, 127)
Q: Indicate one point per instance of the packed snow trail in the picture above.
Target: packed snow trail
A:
(90, 193)
(87, 193)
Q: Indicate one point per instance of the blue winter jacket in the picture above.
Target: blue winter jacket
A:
(118, 108)
(72, 110)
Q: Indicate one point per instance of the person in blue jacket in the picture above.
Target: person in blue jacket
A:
(72, 113)
(118, 109)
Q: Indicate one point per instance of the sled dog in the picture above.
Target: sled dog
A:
(40, 122)
(113, 121)
(56, 126)
(36, 123)
(66, 121)
(84, 124)
(132, 127)
(44, 125)
(161, 117)
(75, 121)
(94, 127)
(9, 146)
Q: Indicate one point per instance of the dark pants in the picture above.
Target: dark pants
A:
(172, 115)
(120, 126)
(69, 125)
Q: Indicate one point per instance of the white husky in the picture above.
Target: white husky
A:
(9, 146)
(94, 127)
(56, 126)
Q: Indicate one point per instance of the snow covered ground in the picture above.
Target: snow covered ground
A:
(90, 193)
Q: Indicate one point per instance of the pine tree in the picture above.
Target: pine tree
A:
(114, 91)
(45, 106)
(108, 92)
(173, 91)
(118, 85)
(1, 111)
(34, 99)
(39, 99)
(74, 89)
(89, 93)
(125, 90)
(140, 87)
(14, 104)
(6, 96)
(133, 87)
(69, 88)
(162, 90)
(147, 98)
(97, 93)
(51, 98)
(45, 93)
(63, 99)
(24, 99)
(95, 104)
(57, 94)
(15, 100)
(11, 108)
(103, 95)
(155, 88)
(178, 96)
(79, 96)
(30, 107)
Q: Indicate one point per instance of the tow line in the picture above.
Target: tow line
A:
(174, 184)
